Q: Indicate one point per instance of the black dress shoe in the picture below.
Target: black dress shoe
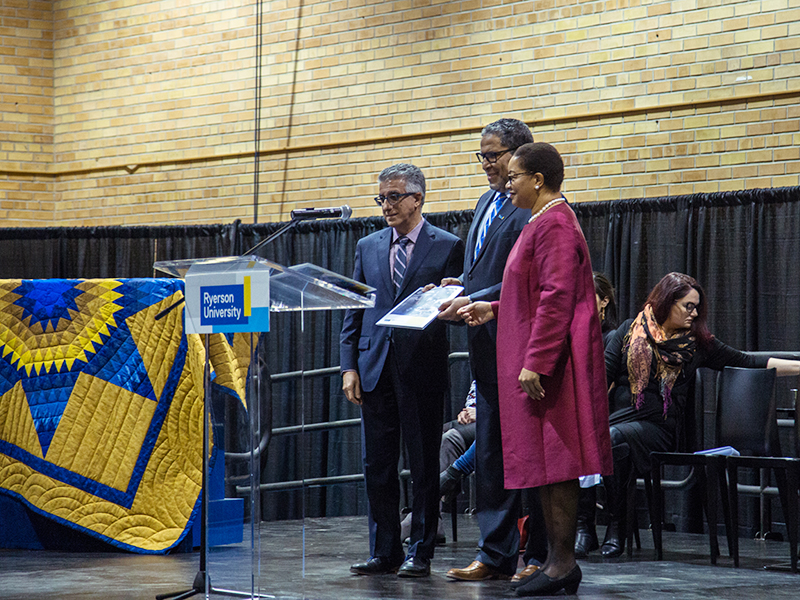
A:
(544, 585)
(613, 548)
(374, 566)
(585, 542)
(415, 567)
(614, 541)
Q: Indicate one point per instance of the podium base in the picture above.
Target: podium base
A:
(198, 587)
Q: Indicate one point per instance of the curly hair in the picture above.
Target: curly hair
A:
(545, 159)
(512, 132)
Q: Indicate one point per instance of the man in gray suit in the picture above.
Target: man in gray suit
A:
(399, 376)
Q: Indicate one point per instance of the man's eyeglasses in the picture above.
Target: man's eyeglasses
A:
(491, 157)
(393, 198)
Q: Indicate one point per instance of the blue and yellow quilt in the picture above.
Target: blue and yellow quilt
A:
(101, 406)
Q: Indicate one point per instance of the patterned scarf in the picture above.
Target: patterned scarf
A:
(647, 341)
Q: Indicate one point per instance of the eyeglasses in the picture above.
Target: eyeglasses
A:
(514, 176)
(690, 307)
(393, 198)
(491, 157)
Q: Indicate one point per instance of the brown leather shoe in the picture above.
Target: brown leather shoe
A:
(477, 571)
(526, 572)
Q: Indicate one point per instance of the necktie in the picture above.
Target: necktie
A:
(493, 210)
(400, 262)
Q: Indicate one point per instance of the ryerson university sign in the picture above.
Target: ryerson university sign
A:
(222, 304)
(235, 300)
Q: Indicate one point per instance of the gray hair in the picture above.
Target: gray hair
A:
(413, 177)
(512, 133)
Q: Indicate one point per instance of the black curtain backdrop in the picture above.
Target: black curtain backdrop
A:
(743, 247)
(106, 252)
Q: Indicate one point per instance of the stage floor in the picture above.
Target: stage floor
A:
(331, 545)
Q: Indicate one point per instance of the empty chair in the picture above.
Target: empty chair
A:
(708, 470)
(747, 420)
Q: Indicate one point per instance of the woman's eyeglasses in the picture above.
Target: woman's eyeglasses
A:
(512, 177)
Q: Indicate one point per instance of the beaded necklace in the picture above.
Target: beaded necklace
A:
(544, 208)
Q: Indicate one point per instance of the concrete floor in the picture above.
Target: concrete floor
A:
(331, 545)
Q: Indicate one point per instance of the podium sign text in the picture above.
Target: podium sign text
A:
(227, 301)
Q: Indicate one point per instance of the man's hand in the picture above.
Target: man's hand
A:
(466, 416)
(530, 384)
(450, 281)
(351, 385)
(449, 310)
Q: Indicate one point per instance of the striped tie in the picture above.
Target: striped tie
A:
(493, 210)
(400, 262)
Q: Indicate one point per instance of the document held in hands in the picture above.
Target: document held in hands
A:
(420, 308)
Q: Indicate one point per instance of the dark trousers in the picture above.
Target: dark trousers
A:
(456, 440)
(398, 409)
(497, 508)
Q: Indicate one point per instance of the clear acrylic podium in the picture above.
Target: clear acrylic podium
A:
(230, 536)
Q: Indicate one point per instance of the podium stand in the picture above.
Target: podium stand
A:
(233, 296)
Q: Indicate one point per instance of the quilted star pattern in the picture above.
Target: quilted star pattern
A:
(101, 406)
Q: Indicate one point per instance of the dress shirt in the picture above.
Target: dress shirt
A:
(412, 242)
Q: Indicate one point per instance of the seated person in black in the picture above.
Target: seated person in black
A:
(650, 362)
(586, 534)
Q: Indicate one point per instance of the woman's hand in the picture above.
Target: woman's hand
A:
(476, 313)
(530, 384)
(784, 367)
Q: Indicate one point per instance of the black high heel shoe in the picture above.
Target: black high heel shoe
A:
(544, 585)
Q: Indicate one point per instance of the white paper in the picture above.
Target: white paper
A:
(420, 309)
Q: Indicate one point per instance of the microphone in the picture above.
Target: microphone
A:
(338, 212)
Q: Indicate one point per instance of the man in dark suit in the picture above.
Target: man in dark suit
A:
(399, 377)
(495, 228)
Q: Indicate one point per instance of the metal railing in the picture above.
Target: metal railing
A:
(271, 432)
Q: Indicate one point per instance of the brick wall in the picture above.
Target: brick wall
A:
(152, 110)
(26, 112)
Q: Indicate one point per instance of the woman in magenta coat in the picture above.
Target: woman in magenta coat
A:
(551, 370)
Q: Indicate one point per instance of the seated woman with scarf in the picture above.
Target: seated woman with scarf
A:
(650, 362)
